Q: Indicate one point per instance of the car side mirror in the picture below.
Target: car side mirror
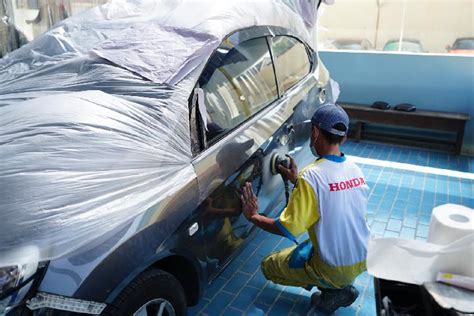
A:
(314, 59)
(448, 47)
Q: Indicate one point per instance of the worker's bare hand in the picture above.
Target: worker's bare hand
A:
(249, 201)
(289, 173)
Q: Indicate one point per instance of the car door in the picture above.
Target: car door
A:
(239, 122)
(295, 67)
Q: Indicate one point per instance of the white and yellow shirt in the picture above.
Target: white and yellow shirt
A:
(330, 202)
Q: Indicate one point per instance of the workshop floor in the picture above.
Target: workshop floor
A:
(405, 185)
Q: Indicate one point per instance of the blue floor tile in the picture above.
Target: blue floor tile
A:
(282, 307)
(394, 225)
(232, 312)
(368, 307)
(410, 221)
(218, 303)
(347, 311)
(258, 309)
(253, 264)
(389, 234)
(196, 309)
(215, 287)
(237, 282)
(249, 250)
(245, 298)
(269, 294)
(407, 233)
(362, 279)
(258, 280)
(266, 247)
(469, 202)
(378, 227)
(411, 211)
(386, 205)
(397, 214)
(426, 210)
(422, 230)
(302, 306)
(291, 292)
(382, 216)
(424, 219)
(233, 267)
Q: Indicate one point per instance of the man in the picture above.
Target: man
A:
(329, 201)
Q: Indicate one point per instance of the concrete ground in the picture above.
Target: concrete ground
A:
(405, 184)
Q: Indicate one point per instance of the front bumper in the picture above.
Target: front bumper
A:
(50, 304)
(45, 300)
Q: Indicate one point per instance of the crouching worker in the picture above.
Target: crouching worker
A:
(329, 201)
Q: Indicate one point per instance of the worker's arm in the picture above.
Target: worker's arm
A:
(265, 223)
(250, 210)
(302, 211)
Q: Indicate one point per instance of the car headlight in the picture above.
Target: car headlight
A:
(9, 278)
(16, 267)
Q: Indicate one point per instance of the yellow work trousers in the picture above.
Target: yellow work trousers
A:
(275, 267)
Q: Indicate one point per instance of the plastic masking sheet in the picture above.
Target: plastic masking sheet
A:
(94, 119)
(417, 262)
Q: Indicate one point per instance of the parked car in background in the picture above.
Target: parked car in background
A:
(346, 44)
(352, 44)
(462, 45)
(406, 45)
(131, 142)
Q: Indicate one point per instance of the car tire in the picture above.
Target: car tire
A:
(153, 289)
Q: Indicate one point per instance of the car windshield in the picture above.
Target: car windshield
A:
(406, 47)
(347, 45)
(467, 43)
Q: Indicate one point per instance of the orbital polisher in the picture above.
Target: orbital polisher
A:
(284, 161)
(277, 160)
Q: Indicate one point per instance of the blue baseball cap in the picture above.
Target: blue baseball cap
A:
(328, 115)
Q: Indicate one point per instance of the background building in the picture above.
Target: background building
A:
(434, 23)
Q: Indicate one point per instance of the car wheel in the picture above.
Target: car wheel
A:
(153, 293)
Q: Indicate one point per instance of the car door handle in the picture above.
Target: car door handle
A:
(290, 128)
(283, 139)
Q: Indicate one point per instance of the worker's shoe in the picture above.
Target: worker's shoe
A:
(328, 300)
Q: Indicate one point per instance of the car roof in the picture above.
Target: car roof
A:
(160, 40)
(351, 40)
(464, 39)
(410, 40)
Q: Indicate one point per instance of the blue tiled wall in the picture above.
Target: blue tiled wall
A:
(431, 82)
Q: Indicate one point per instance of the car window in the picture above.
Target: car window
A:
(238, 82)
(464, 44)
(406, 46)
(291, 61)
